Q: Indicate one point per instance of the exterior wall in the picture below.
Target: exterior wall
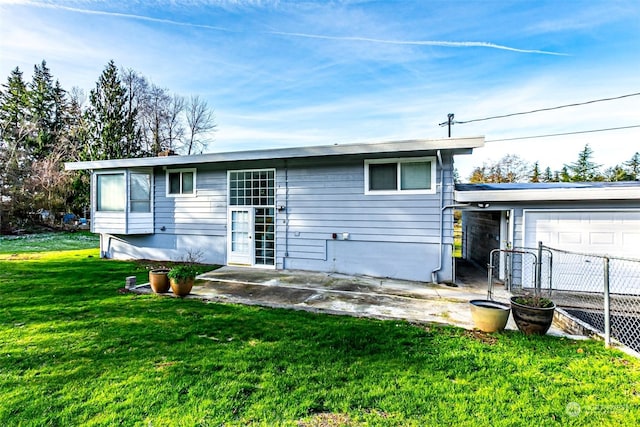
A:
(388, 235)
(182, 225)
(482, 235)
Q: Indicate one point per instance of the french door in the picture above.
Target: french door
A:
(251, 218)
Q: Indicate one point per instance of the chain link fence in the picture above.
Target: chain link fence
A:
(601, 290)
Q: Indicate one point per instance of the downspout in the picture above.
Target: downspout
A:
(286, 215)
(434, 273)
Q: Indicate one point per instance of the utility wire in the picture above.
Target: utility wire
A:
(550, 108)
(565, 133)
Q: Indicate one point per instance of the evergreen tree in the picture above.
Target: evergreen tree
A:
(564, 176)
(584, 169)
(632, 167)
(617, 173)
(42, 97)
(548, 175)
(14, 159)
(535, 173)
(112, 127)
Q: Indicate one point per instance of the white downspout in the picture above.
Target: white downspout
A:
(434, 273)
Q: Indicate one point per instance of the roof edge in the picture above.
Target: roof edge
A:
(558, 194)
(288, 153)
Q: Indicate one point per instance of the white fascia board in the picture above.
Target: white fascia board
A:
(541, 195)
(463, 145)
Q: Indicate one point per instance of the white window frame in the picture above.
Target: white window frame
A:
(399, 161)
(125, 198)
(181, 171)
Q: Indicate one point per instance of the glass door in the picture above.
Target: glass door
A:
(240, 236)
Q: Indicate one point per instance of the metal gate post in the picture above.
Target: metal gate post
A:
(539, 270)
(607, 305)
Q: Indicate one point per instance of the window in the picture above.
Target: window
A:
(252, 188)
(410, 175)
(110, 192)
(112, 196)
(181, 182)
(140, 192)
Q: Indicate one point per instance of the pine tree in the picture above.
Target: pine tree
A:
(548, 175)
(584, 169)
(14, 159)
(535, 173)
(617, 173)
(632, 167)
(112, 127)
(42, 111)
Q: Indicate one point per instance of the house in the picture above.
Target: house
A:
(381, 209)
(584, 217)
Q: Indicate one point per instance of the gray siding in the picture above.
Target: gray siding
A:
(388, 235)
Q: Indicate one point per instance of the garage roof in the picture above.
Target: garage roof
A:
(417, 146)
(547, 191)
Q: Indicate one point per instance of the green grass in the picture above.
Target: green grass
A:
(74, 351)
(48, 242)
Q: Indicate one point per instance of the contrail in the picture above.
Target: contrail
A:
(127, 15)
(417, 42)
(300, 35)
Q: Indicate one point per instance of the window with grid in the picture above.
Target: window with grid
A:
(252, 188)
(181, 182)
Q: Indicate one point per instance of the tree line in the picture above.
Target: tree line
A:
(43, 125)
(512, 168)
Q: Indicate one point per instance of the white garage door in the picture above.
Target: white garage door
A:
(614, 233)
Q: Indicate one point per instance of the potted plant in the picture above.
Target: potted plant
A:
(489, 315)
(181, 279)
(532, 313)
(158, 280)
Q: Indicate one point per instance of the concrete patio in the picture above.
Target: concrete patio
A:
(339, 294)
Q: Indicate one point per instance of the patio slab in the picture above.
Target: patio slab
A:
(340, 294)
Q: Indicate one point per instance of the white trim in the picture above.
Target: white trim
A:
(252, 214)
(549, 194)
(123, 217)
(399, 161)
(181, 171)
(124, 174)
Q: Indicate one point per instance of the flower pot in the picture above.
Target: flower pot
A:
(489, 316)
(159, 281)
(181, 287)
(532, 320)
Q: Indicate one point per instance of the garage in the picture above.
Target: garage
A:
(587, 217)
(610, 232)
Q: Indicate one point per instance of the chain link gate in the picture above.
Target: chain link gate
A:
(519, 269)
(601, 290)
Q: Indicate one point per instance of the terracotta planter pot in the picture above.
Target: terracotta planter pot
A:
(532, 320)
(181, 287)
(489, 316)
(159, 281)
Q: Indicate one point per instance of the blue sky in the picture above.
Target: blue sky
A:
(294, 73)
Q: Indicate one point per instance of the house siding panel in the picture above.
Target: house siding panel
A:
(388, 235)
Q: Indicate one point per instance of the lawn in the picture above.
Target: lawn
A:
(74, 351)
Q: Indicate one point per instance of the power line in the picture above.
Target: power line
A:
(550, 108)
(565, 133)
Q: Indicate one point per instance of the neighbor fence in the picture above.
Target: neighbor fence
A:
(601, 290)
